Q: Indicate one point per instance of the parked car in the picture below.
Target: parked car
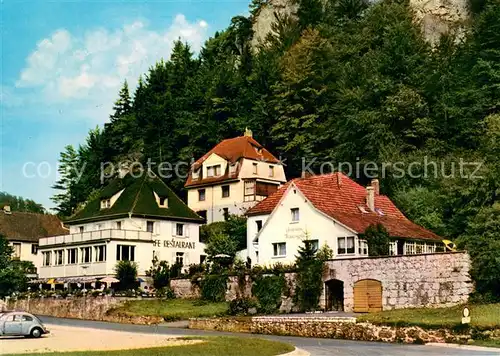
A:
(21, 324)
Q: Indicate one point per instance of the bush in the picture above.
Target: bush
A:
(195, 269)
(268, 291)
(213, 287)
(241, 306)
(165, 293)
(126, 272)
(309, 278)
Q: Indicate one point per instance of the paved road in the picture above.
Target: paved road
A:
(317, 347)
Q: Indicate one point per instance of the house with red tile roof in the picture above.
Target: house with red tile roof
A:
(232, 177)
(329, 209)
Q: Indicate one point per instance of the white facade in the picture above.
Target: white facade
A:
(137, 239)
(232, 195)
(26, 251)
(284, 230)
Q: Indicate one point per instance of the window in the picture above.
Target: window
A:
(363, 248)
(34, 249)
(150, 226)
(17, 250)
(47, 258)
(213, 171)
(279, 249)
(232, 169)
(315, 245)
(86, 254)
(201, 194)
(225, 213)
(203, 258)
(72, 256)
(81, 229)
(420, 247)
(225, 191)
(295, 214)
(196, 174)
(259, 225)
(179, 258)
(410, 248)
(163, 202)
(59, 254)
(179, 229)
(255, 168)
(125, 253)
(271, 171)
(266, 189)
(345, 245)
(98, 227)
(393, 248)
(249, 187)
(118, 225)
(100, 253)
(106, 203)
(27, 318)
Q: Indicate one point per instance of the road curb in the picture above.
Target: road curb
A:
(297, 352)
(465, 347)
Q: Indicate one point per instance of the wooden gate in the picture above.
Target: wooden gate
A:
(367, 296)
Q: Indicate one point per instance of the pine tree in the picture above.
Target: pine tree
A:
(123, 105)
(67, 200)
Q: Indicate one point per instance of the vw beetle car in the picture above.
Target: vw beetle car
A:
(21, 324)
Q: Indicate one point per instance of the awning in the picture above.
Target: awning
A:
(51, 281)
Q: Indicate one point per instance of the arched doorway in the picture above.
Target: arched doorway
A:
(367, 296)
(334, 293)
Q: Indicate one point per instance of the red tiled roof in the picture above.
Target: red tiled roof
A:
(29, 227)
(342, 202)
(232, 150)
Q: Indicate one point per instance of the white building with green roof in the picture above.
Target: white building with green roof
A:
(135, 218)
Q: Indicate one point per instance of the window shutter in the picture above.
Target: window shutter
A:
(186, 259)
(174, 232)
(173, 258)
(186, 230)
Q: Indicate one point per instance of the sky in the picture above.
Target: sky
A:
(63, 63)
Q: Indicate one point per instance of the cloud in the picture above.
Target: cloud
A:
(87, 70)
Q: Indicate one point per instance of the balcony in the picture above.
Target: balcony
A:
(97, 235)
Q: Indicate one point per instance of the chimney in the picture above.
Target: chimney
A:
(248, 132)
(339, 179)
(370, 198)
(376, 186)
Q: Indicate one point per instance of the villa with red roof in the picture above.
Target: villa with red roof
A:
(232, 177)
(329, 209)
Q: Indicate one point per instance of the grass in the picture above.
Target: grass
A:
(213, 346)
(483, 316)
(173, 309)
(487, 343)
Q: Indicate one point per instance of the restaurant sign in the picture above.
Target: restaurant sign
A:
(175, 244)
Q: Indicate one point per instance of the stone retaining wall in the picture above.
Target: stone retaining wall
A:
(331, 328)
(90, 308)
(430, 280)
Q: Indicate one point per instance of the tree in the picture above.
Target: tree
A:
(221, 244)
(68, 199)
(160, 273)
(378, 239)
(126, 272)
(21, 204)
(123, 105)
(309, 282)
(12, 274)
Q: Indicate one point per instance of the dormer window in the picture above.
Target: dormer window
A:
(196, 174)
(161, 200)
(106, 204)
(232, 169)
(214, 171)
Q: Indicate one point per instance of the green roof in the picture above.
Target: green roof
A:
(137, 200)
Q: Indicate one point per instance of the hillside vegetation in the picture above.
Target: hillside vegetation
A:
(352, 81)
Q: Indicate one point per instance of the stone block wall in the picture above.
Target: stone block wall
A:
(430, 280)
(90, 308)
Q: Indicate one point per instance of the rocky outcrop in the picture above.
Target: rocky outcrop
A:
(435, 16)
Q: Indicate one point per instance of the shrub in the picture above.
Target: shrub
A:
(165, 293)
(309, 278)
(195, 269)
(213, 287)
(241, 306)
(268, 291)
(126, 272)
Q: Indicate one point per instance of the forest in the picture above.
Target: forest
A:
(20, 204)
(342, 81)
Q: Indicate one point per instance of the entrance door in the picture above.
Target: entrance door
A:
(367, 296)
(334, 292)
